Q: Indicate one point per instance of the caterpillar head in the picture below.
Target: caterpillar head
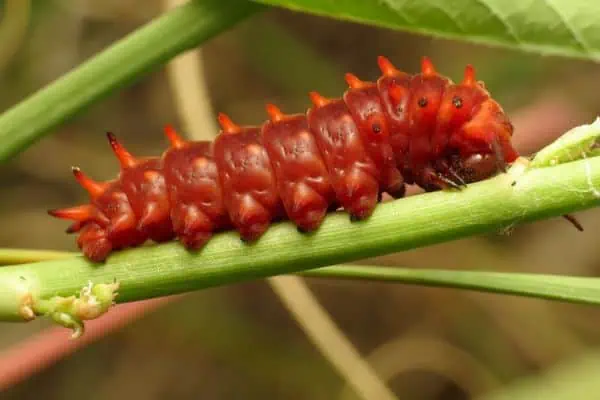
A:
(473, 131)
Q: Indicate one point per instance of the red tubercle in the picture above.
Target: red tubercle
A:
(355, 83)
(427, 67)
(94, 189)
(318, 100)
(227, 124)
(175, 140)
(81, 213)
(125, 158)
(275, 114)
(387, 68)
(469, 80)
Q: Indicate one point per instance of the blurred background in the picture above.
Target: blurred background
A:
(239, 342)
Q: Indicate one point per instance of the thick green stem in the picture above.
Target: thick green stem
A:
(404, 224)
(120, 64)
(572, 289)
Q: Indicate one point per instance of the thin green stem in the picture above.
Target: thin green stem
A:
(122, 63)
(417, 221)
(572, 289)
(22, 256)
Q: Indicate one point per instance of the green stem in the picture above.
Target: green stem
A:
(572, 289)
(22, 256)
(400, 225)
(551, 287)
(122, 63)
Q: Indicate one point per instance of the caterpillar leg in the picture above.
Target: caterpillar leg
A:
(193, 227)
(360, 192)
(432, 180)
(154, 222)
(394, 184)
(308, 209)
(122, 229)
(250, 217)
(93, 241)
(444, 167)
(453, 175)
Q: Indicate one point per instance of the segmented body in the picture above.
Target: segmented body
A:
(346, 152)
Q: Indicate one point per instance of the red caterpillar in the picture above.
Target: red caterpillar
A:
(379, 136)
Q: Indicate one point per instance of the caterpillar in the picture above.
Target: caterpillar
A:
(378, 137)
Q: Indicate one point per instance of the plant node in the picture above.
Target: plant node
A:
(70, 312)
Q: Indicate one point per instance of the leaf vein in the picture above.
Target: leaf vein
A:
(455, 21)
(571, 28)
(509, 28)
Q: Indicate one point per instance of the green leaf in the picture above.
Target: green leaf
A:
(568, 28)
(122, 63)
